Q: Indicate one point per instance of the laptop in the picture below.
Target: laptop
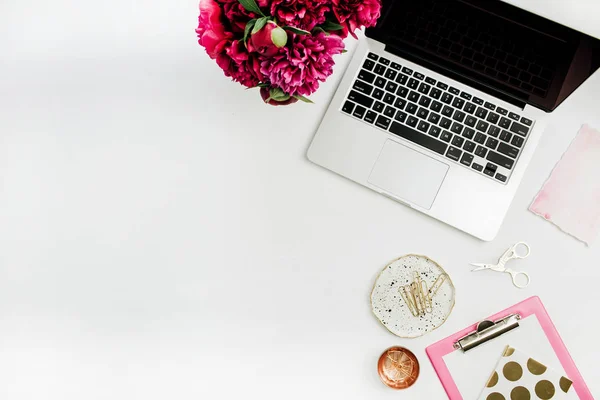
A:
(444, 102)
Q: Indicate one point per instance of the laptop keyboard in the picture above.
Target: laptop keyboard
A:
(465, 129)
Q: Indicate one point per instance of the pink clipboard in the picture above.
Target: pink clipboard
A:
(527, 308)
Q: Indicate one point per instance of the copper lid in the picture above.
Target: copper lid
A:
(398, 368)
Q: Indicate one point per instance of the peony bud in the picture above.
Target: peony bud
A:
(268, 40)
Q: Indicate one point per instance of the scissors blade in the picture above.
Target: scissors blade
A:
(480, 266)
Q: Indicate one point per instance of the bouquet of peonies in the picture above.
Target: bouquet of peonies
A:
(284, 47)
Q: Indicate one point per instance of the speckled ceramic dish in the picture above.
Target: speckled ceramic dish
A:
(392, 311)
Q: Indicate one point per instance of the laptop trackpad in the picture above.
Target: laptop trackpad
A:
(408, 174)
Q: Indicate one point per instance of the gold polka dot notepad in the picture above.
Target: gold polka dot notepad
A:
(519, 377)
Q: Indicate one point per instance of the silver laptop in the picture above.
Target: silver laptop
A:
(443, 105)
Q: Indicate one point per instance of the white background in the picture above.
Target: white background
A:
(162, 234)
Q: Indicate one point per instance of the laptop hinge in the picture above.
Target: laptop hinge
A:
(450, 70)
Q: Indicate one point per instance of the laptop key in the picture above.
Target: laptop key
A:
(469, 146)
(366, 76)
(526, 121)
(434, 118)
(480, 151)
(470, 108)
(445, 123)
(360, 99)
(491, 143)
(493, 118)
(400, 116)
(482, 126)
(459, 116)
(391, 74)
(436, 106)
(447, 98)
(481, 113)
(391, 87)
(370, 117)
(471, 121)
(359, 112)
(467, 159)
(378, 106)
(519, 129)
(411, 121)
(424, 88)
(454, 91)
(369, 65)
(419, 76)
(504, 123)
(447, 111)
(389, 98)
(466, 96)
(424, 101)
(477, 167)
(373, 56)
(384, 61)
(493, 131)
(517, 141)
(348, 107)
(431, 81)
(501, 111)
(435, 93)
(446, 136)
(442, 85)
(396, 66)
(469, 133)
(500, 159)
(383, 122)
(514, 116)
(422, 113)
(505, 136)
(399, 103)
(379, 69)
(490, 169)
(454, 153)
(413, 83)
(457, 128)
(417, 137)
(457, 141)
(501, 177)
(402, 92)
(389, 111)
(477, 101)
(411, 108)
(362, 87)
(407, 71)
(489, 106)
(508, 150)
(479, 138)
(413, 96)
(380, 82)
(458, 102)
(435, 131)
(401, 79)
(423, 126)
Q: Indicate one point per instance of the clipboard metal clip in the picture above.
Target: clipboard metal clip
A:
(487, 330)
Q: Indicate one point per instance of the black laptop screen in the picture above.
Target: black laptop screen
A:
(491, 45)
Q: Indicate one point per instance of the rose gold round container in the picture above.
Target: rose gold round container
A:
(398, 368)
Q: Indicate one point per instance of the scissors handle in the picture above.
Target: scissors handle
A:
(513, 252)
(515, 274)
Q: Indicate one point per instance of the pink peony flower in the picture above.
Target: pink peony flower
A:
(239, 65)
(237, 15)
(303, 14)
(268, 40)
(299, 67)
(211, 32)
(354, 14)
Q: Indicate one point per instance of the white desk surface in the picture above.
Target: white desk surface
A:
(162, 234)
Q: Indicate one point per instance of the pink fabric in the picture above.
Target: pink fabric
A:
(570, 198)
(526, 308)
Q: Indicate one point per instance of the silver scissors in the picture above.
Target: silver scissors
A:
(510, 254)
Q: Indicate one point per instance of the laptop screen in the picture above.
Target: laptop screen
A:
(493, 46)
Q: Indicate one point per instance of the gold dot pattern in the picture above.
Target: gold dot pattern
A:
(520, 393)
(495, 396)
(493, 380)
(508, 351)
(544, 390)
(565, 384)
(535, 367)
(512, 371)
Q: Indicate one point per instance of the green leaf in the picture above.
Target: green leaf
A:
(260, 23)
(344, 51)
(251, 6)
(248, 28)
(278, 94)
(296, 30)
(304, 99)
(317, 30)
(263, 85)
(331, 26)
